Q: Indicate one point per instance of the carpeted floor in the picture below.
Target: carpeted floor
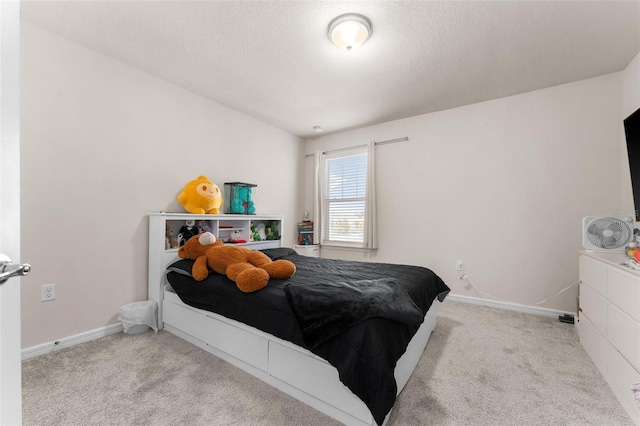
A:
(482, 366)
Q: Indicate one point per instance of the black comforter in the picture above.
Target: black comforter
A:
(326, 309)
(363, 343)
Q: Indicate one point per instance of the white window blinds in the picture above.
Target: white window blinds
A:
(345, 196)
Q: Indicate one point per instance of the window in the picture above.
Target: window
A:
(346, 197)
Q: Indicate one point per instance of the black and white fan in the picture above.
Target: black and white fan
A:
(606, 233)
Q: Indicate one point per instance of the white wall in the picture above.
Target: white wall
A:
(502, 185)
(102, 145)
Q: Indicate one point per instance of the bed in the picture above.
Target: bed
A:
(262, 333)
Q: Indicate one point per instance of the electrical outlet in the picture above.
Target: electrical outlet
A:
(47, 292)
(459, 265)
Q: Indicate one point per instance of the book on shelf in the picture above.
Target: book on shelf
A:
(305, 232)
(305, 226)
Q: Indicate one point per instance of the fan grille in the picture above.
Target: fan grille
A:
(609, 233)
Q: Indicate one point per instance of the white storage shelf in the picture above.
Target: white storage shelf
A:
(609, 325)
(223, 225)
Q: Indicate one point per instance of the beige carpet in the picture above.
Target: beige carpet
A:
(482, 366)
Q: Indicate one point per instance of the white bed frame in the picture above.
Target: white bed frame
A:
(284, 365)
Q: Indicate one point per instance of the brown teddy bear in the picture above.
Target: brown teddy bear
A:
(249, 269)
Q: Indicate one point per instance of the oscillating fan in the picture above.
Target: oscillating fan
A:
(606, 233)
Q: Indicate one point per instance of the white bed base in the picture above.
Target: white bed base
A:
(288, 367)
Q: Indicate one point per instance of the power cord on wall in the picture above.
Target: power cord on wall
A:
(479, 293)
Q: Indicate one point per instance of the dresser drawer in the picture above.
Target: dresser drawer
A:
(594, 307)
(624, 333)
(594, 343)
(621, 376)
(624, 292)
(594, 275)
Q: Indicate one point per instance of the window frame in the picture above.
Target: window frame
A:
(325, 239)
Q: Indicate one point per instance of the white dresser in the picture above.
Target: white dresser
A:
(609, 326)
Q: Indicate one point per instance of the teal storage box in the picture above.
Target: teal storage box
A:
(238, 198)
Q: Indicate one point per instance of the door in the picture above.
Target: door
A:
(10, 367)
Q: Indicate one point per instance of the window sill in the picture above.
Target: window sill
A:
(349, 247)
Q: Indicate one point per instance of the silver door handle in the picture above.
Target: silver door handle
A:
(8, 270)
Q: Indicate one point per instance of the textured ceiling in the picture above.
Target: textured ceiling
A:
(272, 59)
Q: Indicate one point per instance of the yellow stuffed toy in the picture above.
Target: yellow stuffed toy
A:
(201, 196)
(249, 269)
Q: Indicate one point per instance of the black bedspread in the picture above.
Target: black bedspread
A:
(363, 350)
(325, 309)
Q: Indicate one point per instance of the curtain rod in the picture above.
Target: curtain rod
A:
(402, 139)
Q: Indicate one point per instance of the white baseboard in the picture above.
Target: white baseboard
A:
(65, 342)
(508, 306)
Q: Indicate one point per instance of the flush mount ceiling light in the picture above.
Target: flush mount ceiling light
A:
(349, 31)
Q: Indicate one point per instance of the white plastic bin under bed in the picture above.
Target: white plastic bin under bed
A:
(138, 317)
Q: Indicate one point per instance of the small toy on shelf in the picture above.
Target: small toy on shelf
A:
(272, 231)
(261, 231)
(201, 196)
(254, 233)
(187, 231)
(236, 237)
(168, 233)
(203, 227)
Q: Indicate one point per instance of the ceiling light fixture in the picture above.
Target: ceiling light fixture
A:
(317, 129)
(349, 31)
